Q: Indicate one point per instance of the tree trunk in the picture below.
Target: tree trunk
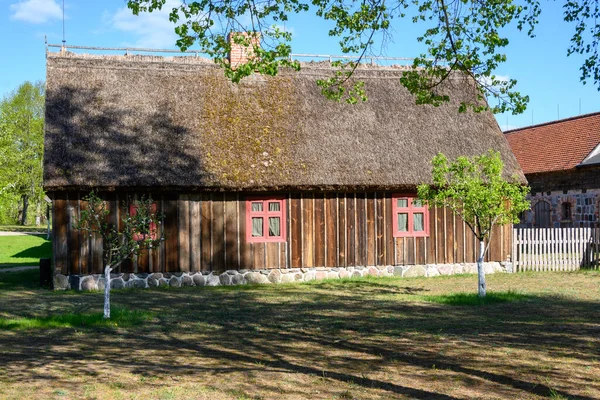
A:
(107, 292)
(480, 271)
(25, 205)
(38, 217)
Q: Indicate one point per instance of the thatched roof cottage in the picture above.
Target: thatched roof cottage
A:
(266, 175)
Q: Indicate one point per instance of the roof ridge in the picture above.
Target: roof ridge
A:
(552, 122)
(195, 59)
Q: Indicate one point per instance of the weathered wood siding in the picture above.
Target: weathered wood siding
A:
(207, 232)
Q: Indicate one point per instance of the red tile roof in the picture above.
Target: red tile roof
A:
(557, 145)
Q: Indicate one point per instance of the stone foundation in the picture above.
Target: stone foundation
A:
(240, 277)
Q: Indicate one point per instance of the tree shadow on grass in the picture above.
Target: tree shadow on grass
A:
(17, 281)
(473, 299)
(368, 285)
(43, 250)
(320, 333)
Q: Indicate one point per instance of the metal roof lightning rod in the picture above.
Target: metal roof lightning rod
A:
(64, 41)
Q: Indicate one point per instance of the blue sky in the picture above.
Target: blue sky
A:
(541, 66)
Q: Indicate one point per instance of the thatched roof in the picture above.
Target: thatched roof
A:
(177, 123)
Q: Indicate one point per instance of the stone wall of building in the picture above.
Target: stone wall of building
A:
(265, 276)
(574, 179)
(584, 206)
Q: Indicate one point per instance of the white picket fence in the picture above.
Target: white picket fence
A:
(555, 249)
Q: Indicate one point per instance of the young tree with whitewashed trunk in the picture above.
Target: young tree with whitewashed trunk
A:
(140, 231)
(475, 189)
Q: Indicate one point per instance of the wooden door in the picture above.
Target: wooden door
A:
(542, 214)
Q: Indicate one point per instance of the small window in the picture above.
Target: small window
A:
(566, 210)
(411, 217)
(151, 232)
(265, 220)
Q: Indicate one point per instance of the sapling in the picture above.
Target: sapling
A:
(140, 231)
(475, 189)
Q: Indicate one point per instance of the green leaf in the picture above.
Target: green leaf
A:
(463, 37)
(476, 190)
(21, 150)
(140, 230)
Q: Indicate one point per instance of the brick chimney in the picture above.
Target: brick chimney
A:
(239, 53)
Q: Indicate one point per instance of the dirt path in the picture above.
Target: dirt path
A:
(17, 269)
(3, 233)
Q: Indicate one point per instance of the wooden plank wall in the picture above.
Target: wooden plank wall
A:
(207, 232)
(451, 241)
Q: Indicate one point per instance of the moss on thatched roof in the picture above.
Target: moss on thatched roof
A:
(177, 123)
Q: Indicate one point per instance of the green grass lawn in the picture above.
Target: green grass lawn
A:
(23, 250)
(537, 337)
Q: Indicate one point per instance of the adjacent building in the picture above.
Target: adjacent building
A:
(561, 160)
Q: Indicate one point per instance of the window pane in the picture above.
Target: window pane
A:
(402, 222)
(257, 206)
(274, 224)
(274, 206)
(418, 222)
(257, 227)
(566, 210)
(402, 203)
(417, 203)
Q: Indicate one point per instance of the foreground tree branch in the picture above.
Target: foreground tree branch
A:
(465, 36)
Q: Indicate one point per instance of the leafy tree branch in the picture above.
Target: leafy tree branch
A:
(464, 37)
(140, 231)
(21, 151)
(475, 189)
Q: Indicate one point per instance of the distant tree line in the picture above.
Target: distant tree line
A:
(21, 155)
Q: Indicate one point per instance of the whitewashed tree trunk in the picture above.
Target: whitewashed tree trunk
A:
(107, 271)
(480, 271)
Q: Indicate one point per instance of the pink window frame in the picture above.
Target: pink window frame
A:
(152, 228)
(410, 210)
(265, 214)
